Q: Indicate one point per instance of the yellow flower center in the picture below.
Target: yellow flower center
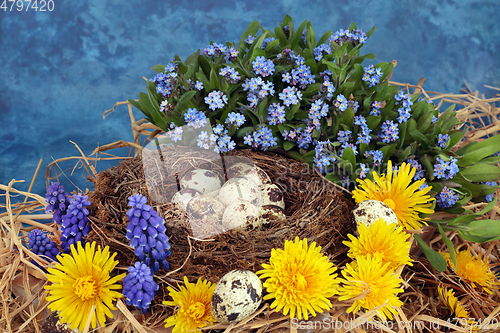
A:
(85, 287)
(299, 282)
(196, 310)
(390, 203)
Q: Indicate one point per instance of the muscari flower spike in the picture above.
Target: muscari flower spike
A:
(146, 232)
(41, 245)
(139, 287)
(75, 224)
(57, 201)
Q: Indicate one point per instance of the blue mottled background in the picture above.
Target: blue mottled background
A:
(62, 69)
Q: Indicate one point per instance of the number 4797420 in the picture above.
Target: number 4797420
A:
(20, 5)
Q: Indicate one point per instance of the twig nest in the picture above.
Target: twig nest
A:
(272, 195)
(183, 197)
(205, 208)
(270, 213)
(237, 296)
(240, 190)
(259, 176)
(242, 216)
(52, 325)
(202, 180)
(369, 211)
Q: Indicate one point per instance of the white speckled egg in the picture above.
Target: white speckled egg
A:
(259, 176)
(270, 213)
(272, 195)
(205, 208)
(241, 215)
(369, 211)
(240, 190)
(202, 180)
(182, 197)
(236, 296)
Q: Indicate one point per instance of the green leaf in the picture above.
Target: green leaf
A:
(272, 45)
(475, 239)
(287, 145)
(310, 37)
(403, 155)
(159, 68)
(297, 35)
(436, 259)
(455, 137)
(206, 66)
(418, 136)
(348, 155)
(145, 103)
(373, 121)
(332, 66)
(281, 36)
(481, 173)
(203, 79)
(347, 117)
(424, 122)
(324, 38)
(138, 106)
(291, 113)
(252, 29)
(449, 244)
(484, 228)
(186, 97)
(369, 33)
(479, 150)
(214, 79)
(388, 151)
(295, 155)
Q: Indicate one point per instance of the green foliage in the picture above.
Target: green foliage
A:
(340, 83)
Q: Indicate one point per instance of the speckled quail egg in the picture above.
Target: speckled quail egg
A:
(240, 190)
(242, 216)
(369, 211)
(236, 296)
(182, 197)
(272, 195)
(236, 169)
(205, 208)
(202, 180)
(270, 213)
(259, 176)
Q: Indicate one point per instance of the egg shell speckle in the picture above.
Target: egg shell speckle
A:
(242, 216)
(201, 180)
(240, 190)
(270, 213)
(182, 197)
(205, 208)
(272, 195)
(256, 174)
(236, 296)
(369, 211)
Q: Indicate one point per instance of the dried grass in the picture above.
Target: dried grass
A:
(22, 302)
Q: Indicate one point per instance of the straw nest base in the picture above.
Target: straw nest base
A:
(315, 209)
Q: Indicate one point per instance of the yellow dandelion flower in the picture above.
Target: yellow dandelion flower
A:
(193, 301)
(300, 279)
(381, 240)
(473, 269)
(395, 191)
(457, 310)
(449, 300)
(81, 280)
(372, 284)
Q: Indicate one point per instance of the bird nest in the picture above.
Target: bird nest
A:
(315, 209)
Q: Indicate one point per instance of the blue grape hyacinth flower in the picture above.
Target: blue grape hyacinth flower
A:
(75, 224)
(139, 287)
(41, 245)
(146, 233)
(57, 201)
